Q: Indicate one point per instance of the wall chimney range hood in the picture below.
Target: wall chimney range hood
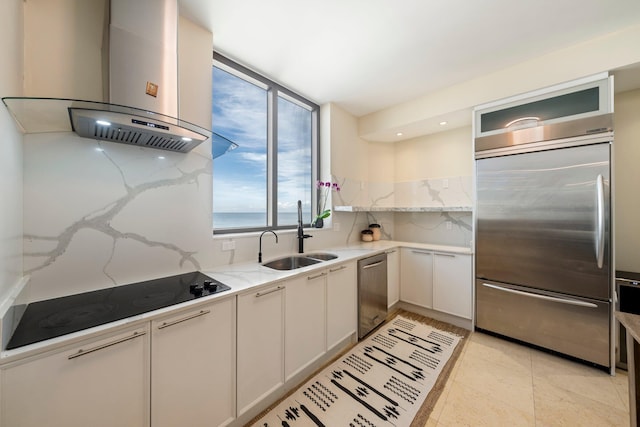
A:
(140, 82)
(106, 122)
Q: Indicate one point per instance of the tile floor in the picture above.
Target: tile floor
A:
(499, 383)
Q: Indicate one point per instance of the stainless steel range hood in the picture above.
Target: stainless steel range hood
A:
(140, 85)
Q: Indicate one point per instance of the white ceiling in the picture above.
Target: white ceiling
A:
(366, 55)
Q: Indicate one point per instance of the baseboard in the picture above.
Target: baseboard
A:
(434, 314)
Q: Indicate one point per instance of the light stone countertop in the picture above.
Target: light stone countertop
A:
(244, 276)
(241, 277)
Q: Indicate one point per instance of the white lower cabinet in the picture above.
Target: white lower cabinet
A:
(260, 344)
(441, 281)
(97, 382)
(416, 277)
(204, 365)
(393, 276)
(452, 284)
(137, 377)
(285, 328)
(342, 300)
(193, 356)
(305, 330)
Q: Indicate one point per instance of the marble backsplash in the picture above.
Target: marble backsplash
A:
(434, 211)
(100, 214)
(440, 228)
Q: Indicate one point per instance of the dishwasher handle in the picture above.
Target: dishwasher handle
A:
(375, 264)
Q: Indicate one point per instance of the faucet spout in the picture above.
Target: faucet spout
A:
(260, 246)
(301, 235)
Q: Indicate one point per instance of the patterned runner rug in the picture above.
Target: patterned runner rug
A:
(382, 381)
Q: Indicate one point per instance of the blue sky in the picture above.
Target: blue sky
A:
(239, 176)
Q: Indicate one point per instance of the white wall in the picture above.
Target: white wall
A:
(349, 153)
(361, 168)
(627, 180)
(443, 154)
(58, 63)
(10, 147)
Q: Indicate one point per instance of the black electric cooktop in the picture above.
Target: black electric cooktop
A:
(52, 318)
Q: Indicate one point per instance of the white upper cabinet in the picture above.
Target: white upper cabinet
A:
(569, 102)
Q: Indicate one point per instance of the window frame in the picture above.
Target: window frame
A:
(274, 91)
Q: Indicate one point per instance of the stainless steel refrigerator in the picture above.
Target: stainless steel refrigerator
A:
(543, 246)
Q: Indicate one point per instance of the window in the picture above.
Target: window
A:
(258, 184)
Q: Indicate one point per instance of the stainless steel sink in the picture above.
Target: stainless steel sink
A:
(322, 256)
(291, 262)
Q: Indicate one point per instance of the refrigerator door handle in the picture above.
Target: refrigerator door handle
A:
(600, 221)
(542, 297)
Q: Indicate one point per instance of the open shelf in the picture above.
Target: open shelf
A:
(403, 208)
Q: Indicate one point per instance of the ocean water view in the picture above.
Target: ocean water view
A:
(253, 219)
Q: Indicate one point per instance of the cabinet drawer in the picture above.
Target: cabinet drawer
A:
(576, 327)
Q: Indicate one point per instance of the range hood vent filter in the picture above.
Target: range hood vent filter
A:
(136, 131)
(118, 135)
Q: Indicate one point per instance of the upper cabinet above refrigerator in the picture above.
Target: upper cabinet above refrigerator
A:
(574, 109)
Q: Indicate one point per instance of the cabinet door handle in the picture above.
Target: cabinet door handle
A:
(192, 316)
(316, 276)
(342, 267)
(270, 291)
(543, 297)
(421, 253)
(449, 255)
(82, 352)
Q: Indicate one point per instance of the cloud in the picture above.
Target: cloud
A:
(240, 176)
(254, 160)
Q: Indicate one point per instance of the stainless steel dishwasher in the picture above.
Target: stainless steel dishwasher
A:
(372, 293)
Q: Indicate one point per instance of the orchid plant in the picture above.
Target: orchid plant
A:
(324, 187)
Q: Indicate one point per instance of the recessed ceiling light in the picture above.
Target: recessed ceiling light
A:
(399, 134)
(443, 123)
(103, 123)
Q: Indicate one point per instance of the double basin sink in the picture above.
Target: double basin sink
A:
(298, 261)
